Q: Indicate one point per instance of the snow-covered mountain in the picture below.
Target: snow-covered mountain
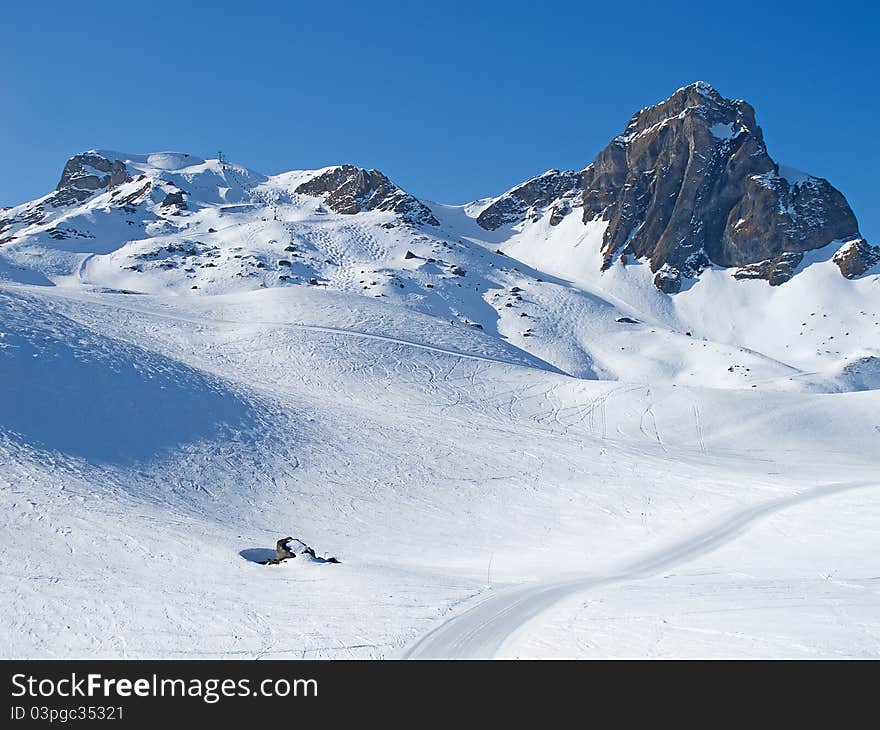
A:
(689, 184)
(747, 255)
(620, 367)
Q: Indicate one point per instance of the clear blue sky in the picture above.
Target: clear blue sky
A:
(454, 101)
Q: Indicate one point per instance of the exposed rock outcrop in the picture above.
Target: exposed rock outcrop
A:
(288, 548)
(855, 257)
(668, 279)
(689, 183)
(174, 199)
(84, 175)
(521, 201)
(348, 190)
(776, 271)
(30, 215)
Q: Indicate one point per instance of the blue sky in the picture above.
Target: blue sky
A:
(454, 101)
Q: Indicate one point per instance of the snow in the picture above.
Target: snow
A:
(794, 177)
(550, 619)
(722, 131)
(803, 599)
(699, 483)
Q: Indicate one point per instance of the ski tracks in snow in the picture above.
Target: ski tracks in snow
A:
(482, 631)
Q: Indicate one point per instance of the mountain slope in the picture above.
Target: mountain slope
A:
(689, 184)
(335, 421)
(177, 224)
(468, 405)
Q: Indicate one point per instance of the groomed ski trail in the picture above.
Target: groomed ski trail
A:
(481, 631)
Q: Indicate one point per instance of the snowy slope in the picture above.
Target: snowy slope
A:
(536, 286)
(400, 445)
(202, 359)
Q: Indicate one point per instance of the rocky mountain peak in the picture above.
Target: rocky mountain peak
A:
(86, 173)
(688, 184)
(348, 190)
(702, 105)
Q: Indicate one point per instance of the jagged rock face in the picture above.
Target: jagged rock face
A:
(84, 174)
(776, 271)
(688, 184)
(855, 257)
(174, 199)
(533, 194)
(348, 190)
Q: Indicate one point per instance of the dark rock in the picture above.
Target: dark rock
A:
(777, 270)
(627, 320)
(668, 280)
(527, 198)
(855, 257)
(689, 183)
(349, 190)
(31, 215)
(174, 199)
(282, 551)
(287, 548)
(127, 202)
(409, 255)
(84, 175)
(559, 211)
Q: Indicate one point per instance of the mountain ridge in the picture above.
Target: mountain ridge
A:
(687, 185)
(544, 268)
(735, 211)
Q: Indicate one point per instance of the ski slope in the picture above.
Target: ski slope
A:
(481, 632)
(416, 452)
(512, 452)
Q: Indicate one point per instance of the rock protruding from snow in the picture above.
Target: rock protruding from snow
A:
(855, 257)
(668, 279)
(525, 200)
(175, 199)
(84, 175)
(689, 183)
(348, 190)
(776, 271)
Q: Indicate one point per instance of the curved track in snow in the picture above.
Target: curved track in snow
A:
(482, 631)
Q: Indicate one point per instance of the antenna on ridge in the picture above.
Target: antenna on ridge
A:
(220, 157)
